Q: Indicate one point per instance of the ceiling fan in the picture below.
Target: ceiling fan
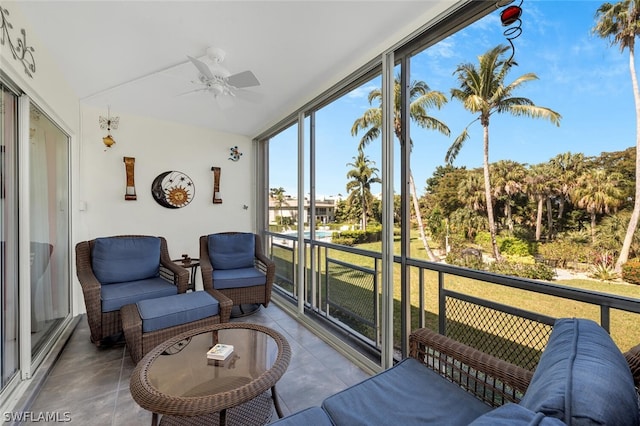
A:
(217, 80)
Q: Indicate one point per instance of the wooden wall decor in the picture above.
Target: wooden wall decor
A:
(130, 192)
(217, 199)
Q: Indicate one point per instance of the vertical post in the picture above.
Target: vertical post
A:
(405, 191)
(300, 278)
(387, 209)
(130, 191)
(312, 206)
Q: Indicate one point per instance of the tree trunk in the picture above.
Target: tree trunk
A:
(593, 227)
(549, 219)
(507, 211)
(539, 217)
(633, 221)
(416, 207)
(487, 194)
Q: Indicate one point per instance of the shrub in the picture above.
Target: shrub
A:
(342, 240)
(535, 271)
(514, 246)
(483, 239)
(603, 272)
(458, 258)
(371, 235)
(563, 251)
(631, 272)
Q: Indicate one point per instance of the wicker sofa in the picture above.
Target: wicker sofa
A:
(582, 379)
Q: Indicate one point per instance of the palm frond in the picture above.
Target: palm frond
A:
(456, 146)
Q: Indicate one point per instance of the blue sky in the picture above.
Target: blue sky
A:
(580, 76)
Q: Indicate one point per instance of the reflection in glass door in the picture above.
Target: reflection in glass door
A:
(9, 348)
(49, 227)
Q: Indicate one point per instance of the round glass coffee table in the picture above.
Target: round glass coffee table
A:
(177, 380)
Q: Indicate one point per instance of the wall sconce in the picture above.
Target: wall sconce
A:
(108, 123)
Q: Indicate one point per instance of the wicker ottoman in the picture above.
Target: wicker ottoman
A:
(150, 322)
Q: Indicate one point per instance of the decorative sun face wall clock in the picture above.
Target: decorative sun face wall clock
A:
(172, 189)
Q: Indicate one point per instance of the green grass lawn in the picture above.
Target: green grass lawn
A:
(625, 327)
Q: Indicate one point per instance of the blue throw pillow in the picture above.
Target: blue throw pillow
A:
(583, 378)
(232, 251)
(123, 259)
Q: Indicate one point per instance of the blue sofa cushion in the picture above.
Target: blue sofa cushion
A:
(115, 296)
(313, 416)
(583, 378)
(406, 394)
(515, 415)
(122, 259)
(232, 251)
(237, 278)
(169, 311)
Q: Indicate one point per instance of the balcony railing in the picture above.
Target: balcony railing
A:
(342, 285)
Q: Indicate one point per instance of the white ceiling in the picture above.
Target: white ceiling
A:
(131, 55)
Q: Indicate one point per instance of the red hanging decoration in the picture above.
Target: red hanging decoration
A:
(510, 15)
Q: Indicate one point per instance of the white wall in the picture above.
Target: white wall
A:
(160, 146)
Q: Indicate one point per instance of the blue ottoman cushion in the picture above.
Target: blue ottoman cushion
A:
(122, 259)
(583, 378)
(313, 416)
(237, 278)
(115, 296)
(232, 251)
(424, 396)
(169, 311)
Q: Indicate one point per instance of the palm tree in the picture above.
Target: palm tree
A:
(359, 187)
(508, 177)
(565, 169)
(483, 91)
(278, 195)
(421, 98)
(597, 192)
(620, 23)
(537, 186)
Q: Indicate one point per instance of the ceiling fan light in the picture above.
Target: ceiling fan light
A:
(215, 54)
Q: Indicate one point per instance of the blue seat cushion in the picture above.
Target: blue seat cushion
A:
(583, 378)
(115, 296)
(238, 278)
(515, 415)
(407, 394)
(232, 251)
(313, 416)
(169, 311)
(122, 259)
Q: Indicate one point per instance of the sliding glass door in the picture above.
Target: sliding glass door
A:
(48, 227)
(9, 326)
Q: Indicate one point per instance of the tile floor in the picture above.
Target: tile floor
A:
(92, 385)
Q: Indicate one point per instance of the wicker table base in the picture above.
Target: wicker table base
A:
(256, 412)
(176, 380)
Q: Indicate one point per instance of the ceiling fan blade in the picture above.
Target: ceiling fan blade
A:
(249, 96)
(202, 67)
(225, 102)
(243, 79)
(190, 91)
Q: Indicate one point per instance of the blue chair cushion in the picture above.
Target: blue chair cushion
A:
(313, 416)
(424, 395)
(115, 296)
(232, 251)
(583, 378)
(238, 278)
(169, 311)
(122, 259)
(515, 415)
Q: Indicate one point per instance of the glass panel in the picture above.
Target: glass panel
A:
(49, 198)
(8, 236)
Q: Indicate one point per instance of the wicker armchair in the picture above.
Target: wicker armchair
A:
(104, 321)
(246, 284)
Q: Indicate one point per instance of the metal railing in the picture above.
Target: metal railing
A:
(342, 286)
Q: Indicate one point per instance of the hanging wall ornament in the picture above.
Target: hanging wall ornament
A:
(235, 154)
(173, 189)
(130, 191)
(510, 17)
(217, 197)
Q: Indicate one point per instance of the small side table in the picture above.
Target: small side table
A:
(189, 263)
